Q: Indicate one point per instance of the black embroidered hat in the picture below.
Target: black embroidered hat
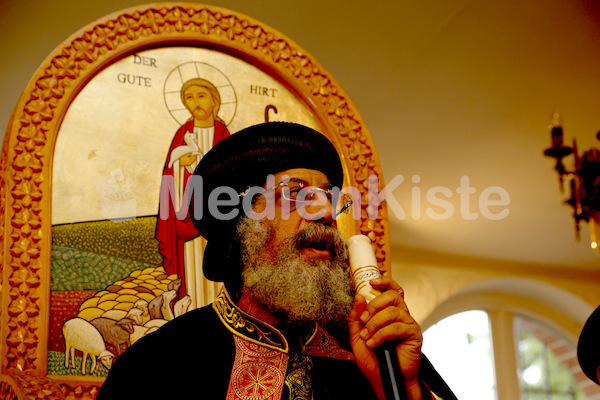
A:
(588, 346)
(243, 160)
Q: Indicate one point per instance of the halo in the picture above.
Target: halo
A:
(191, 70)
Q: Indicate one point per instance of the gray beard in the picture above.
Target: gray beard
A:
(293, 289)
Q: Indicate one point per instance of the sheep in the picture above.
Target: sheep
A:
(143, 306)
(138, 333)
(154, 307)
(161, 306)
(182, 305)
(136, 315)
(190, 148)
(114, 314)
(174, 285)
(81, 335)
(150, 330)
(167, 305)
(115, 333)
(155, 323)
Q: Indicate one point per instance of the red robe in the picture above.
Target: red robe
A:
(172, 233)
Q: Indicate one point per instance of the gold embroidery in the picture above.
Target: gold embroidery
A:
(258, 372)
(325, 345)
(246, 326)
(299, 380)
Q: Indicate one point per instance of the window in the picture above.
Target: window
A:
(461, 347)
(547, 363)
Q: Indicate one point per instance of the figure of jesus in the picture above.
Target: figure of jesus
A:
(180, 245)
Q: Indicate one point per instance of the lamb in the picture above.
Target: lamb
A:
(138, 333)
(143, 306)
(81, 335)
(155, 323)
(138, 313)
(190, 147)
(154, 307)
(161, 306)
(114, 314)
(182, 306)
(174, 285)
(115, 333)
(166, 308)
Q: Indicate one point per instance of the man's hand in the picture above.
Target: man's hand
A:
(386, 318)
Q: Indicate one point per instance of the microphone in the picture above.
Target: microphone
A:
(363, 267)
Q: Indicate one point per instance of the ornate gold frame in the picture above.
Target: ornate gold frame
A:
(27, 155)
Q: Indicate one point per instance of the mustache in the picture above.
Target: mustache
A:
(322, 236)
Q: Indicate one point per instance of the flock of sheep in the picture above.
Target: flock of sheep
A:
(121, 314)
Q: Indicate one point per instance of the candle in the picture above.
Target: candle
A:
(556, 130)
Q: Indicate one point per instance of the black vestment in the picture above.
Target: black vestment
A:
(192, 357)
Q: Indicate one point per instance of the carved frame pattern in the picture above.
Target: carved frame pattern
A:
(26, 159)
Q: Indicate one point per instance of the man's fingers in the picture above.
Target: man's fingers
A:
(392, 323)
(392, 295)
(386, 283)
(396, 331)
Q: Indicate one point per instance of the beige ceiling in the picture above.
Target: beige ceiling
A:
(448, 89)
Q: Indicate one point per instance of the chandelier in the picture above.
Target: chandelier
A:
(583, 180)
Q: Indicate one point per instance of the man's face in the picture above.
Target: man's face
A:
(297, 267)
(200, 103)
(287, 223)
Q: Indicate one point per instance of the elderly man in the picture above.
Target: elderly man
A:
(287, 324)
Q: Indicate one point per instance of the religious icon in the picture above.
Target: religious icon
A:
(119, 271)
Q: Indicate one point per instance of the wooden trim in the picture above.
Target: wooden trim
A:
(27, 154)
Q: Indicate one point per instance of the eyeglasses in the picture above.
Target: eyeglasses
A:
(300, 193)
(304, 195)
